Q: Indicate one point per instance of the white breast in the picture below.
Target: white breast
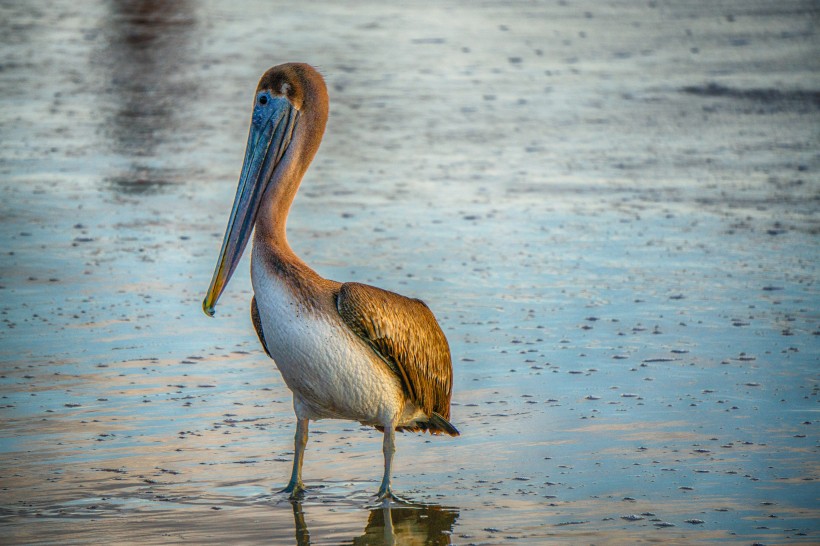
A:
(331, 372)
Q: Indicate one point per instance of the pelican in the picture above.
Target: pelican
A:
(346, 350)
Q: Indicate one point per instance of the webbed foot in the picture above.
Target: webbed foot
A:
(386, 494)
(296, 490)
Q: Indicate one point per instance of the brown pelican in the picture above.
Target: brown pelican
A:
(346, 350)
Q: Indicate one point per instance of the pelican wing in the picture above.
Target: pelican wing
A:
(257, 325)
(405, 334)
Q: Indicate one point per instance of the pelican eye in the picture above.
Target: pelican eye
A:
(263, 100)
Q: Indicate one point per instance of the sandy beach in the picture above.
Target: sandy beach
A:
(612, 208)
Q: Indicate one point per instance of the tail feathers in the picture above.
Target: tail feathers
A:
(440, 424)
(435, 424)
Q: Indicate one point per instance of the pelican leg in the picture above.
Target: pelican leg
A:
(388, 448)
(295, 486)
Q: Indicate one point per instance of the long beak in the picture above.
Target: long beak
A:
(271, 130)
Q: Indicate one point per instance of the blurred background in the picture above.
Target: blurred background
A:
(610, 206)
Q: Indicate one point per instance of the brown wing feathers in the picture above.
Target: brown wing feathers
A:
(257, 325)
(406, 335)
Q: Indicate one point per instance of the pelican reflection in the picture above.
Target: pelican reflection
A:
(389, 524)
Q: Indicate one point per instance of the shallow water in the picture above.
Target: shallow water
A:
(612, 209)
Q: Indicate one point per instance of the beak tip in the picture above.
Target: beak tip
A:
(209, 309)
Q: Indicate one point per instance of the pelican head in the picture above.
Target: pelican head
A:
(288, 120)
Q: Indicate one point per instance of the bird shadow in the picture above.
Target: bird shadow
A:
(391, 523)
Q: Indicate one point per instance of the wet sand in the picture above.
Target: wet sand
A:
(612, 209)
